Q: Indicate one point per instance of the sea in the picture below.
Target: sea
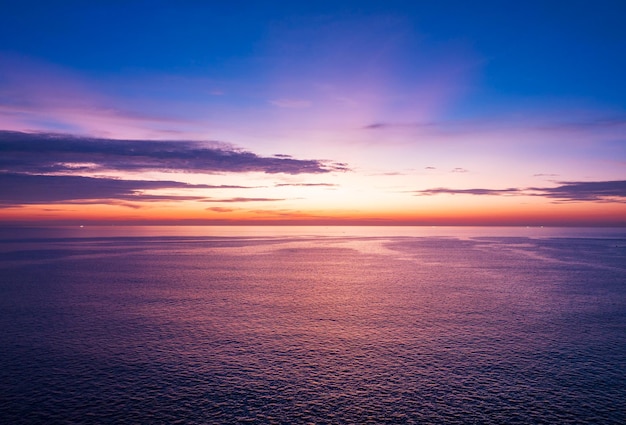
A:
(312, 325)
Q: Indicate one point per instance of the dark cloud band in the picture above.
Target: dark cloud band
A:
(586, 191)
(40, 153)
(605, 191)
(19, 189)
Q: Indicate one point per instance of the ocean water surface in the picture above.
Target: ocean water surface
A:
(312, 325)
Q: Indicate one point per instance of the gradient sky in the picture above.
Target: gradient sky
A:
(354, 112)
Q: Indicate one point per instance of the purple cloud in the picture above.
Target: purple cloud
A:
(391, 125)
(291, 103)
(586, 191)
(16, 189)
(40, 153)
(605, 191)
(376, 126)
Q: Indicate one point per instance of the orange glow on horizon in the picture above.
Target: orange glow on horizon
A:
(549, 214)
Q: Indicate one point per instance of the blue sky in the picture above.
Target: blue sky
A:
(571, 48)
(461, 101)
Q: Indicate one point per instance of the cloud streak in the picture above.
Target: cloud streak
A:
(446, 191)
(306, 184)
(40, 153)
(603, 191)
(235, 200)
(220, 209)
(19, 189)
(554, 123)
(291, 103)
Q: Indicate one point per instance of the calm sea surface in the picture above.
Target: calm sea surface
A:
(320, 325)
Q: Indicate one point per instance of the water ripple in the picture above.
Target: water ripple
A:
(319, 330)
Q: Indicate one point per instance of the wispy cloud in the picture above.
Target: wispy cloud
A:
(540, 123)
(306, 184)
(604, 191)
(459, 170)
(243, 200)
(291, 103)
(545, 175)
(40, 95)
(446, 191)
(392, 125)
(220, 209)
(389, 174)
(376, 126)
(48, 152)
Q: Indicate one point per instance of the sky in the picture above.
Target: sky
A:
(313, 112)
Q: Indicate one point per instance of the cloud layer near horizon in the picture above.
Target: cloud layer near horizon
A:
(40, 153)
(606, 191)
(17, 189)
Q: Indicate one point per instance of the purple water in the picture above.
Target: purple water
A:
(313, 325)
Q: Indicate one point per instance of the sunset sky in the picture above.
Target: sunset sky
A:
(320, 112)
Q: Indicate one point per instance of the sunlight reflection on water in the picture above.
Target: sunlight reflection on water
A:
(304, 231)
(280, 328)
